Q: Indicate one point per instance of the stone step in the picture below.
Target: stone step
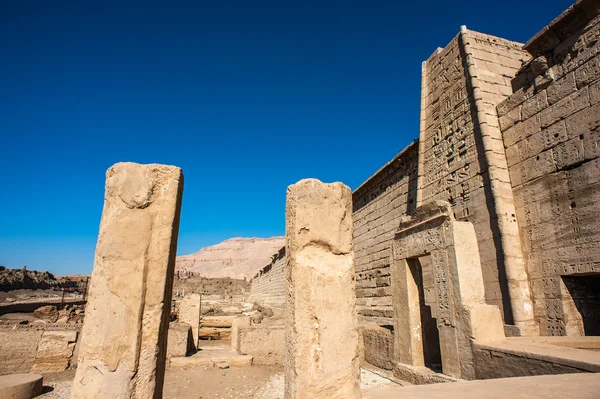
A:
(209, 358)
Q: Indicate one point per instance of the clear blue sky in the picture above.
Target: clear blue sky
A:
(246, 96)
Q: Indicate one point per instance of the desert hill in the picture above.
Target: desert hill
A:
(236, 258)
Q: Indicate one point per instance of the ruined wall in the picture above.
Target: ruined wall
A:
(268, 286)
(19, 345)
(211, 286)
(18, 348)
(263, 342)
(551, 131)
(462, 158)
(378, 205)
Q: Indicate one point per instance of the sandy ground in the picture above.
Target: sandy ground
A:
(261, 382)
(255, 382)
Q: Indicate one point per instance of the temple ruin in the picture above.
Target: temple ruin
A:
(473, 254)
(509, 140)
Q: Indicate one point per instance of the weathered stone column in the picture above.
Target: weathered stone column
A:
(124, 336)
(321, 341)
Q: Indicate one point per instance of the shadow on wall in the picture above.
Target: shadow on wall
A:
(505, 306)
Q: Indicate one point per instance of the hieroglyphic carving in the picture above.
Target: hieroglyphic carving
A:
(450, 157)
(445, 316)
(451, 269)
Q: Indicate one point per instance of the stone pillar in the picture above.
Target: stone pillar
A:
(189, 312)
(238, 321)
(124, 336)
(321, 338)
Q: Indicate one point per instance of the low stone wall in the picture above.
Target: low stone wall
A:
(498, 364)
(54, 351)
(30, 307)
(19, 346)
(210, 286)
(264, 343)
(180, 341)
(520, 357)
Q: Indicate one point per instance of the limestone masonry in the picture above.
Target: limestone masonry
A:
(124, 337)
(321, 337)
(268, 285)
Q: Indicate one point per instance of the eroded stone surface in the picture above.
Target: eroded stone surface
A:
(553, 156)
(180, 342)
(54, 351)
(321, 359)
(123, 344)
(189, 312)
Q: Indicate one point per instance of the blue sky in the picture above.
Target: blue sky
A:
(246, 97)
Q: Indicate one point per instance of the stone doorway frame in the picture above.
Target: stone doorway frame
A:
(458, 301)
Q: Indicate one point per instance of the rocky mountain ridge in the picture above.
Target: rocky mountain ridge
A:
(239, 258)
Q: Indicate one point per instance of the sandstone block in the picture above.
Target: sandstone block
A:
(321, 326)
(510, 118)
(595, 93)
(189, 312)
(54, 351)
(378, 346)
(264, 343)
(534, 105)
(237, 323)
(561, 88)
(180, 340)
(124, 336)
(588, 72)
(18, 349)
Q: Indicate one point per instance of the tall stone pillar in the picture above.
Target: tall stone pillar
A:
(321, 341)
(124, 336)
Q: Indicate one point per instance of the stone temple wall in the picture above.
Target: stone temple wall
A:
(509, 136)
(461, 156)
(551, 131)
(378, 205)
(268, 286)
